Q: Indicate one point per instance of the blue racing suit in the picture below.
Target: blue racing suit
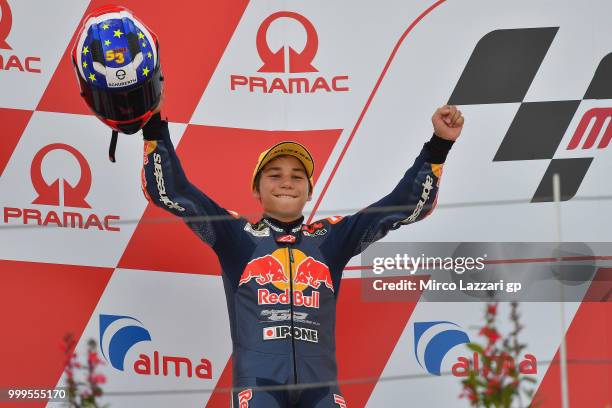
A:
(282, 280)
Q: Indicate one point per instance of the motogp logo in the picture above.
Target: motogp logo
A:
(538, 128)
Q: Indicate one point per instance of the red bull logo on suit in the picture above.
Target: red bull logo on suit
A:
(274, 269)
(265, 269)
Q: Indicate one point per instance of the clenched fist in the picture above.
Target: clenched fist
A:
(447, 122)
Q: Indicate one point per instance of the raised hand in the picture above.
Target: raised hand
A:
(447, 122)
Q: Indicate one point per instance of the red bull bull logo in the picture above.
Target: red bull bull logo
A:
(274, 269)
(313, 273)
(266, 269)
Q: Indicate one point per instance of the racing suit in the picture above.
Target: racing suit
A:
(279, 338)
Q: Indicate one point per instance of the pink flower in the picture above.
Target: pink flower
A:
(98, 379)
(491, 334)
(493, 386)
(93, 358)
(492, 309)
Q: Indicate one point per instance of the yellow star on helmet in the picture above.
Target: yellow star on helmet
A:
(140, 35)
(149, 55)
(118, 34)
(92, 77)
(85, 50)
(105, 26)
(145, 71)
(107, 43)
(84, 64)
(144, 44)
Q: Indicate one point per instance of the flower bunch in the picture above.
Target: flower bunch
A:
(82, 394)
(500, 382)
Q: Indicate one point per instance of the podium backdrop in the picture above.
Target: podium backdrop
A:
(82, 251)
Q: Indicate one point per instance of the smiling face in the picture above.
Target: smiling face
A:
(283, 188)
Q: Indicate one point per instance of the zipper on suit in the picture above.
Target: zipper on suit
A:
(295, 377)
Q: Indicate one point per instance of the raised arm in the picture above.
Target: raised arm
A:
(165, 185)
(413, 198)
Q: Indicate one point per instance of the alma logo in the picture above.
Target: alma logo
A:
(286, 60)
(118, 334)
(433, 341)
(13, 61)
(49, 194)
(502, 363)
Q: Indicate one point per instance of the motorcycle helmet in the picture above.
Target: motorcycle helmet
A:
(116, 60)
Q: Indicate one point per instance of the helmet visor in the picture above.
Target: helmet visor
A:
(124, 105)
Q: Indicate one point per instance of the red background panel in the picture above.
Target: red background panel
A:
(192, 36)
(366, 335)
(589, 343)
(40, 303)
(220, 162)
(222, 398)
(14, 122)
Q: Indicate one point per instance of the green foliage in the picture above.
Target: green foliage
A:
(498, 383)
(83, 394)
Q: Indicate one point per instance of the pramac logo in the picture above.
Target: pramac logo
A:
(288, 60)
(49, 195)
(298, 62)
(6, 22)
(13, 62)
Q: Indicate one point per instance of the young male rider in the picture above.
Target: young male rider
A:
(279, 338)
(281, 277)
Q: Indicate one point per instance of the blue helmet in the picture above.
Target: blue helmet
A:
(116, 59)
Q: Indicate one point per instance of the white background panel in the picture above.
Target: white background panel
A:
(355, 39)
(398, 123)
(443, 391)
(115, 190)
(40, 29)
(185, 315)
